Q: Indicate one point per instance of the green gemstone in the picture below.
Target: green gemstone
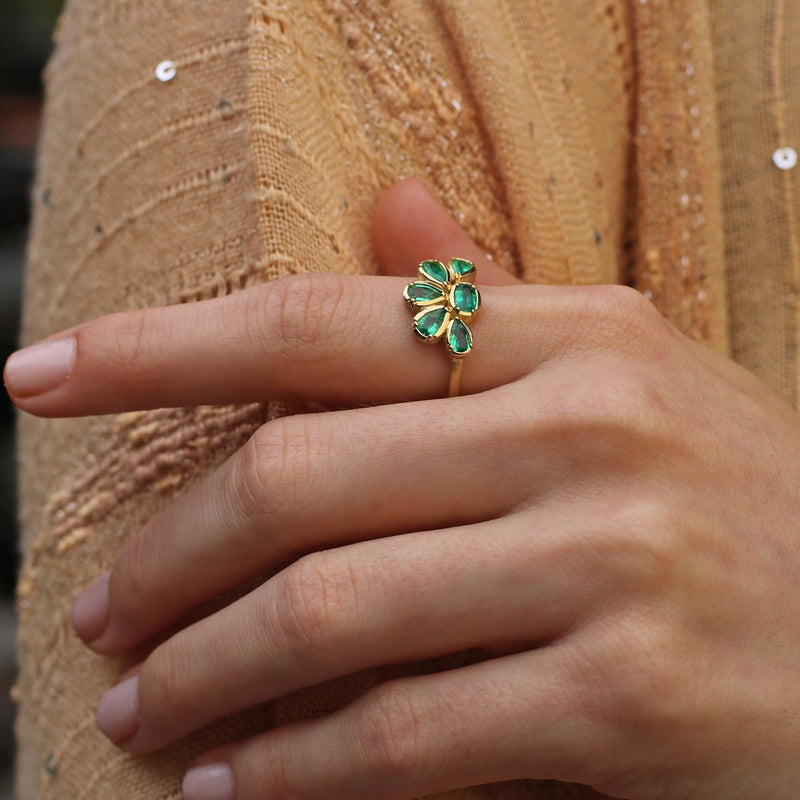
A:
(461, 266)
(434, 270)
(431, 322)
(465, 297)
(459, 338)
(424, 292)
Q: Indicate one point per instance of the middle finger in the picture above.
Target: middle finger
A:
(312, 481)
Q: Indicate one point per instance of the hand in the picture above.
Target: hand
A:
(610, 514)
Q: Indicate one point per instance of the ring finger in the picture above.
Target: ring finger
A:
(339, 611)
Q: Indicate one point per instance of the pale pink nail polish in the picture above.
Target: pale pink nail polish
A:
(209, 782)
(118, 711)
(89, 614)
(41, 367)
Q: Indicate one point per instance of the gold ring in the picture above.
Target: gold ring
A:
(443, 298)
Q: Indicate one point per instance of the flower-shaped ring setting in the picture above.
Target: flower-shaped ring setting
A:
(444, 298)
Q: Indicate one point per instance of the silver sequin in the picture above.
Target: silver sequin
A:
(166, 71)
(785, 158)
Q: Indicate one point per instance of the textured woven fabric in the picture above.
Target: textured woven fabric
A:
(585, 141)
(758, 85)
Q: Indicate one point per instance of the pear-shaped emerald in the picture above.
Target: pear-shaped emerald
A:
(429, 324)
(459, 338)
(434, 270)
(465, 298)
(461, 266)
(424, 292)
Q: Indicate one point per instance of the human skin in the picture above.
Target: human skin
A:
(609, 511)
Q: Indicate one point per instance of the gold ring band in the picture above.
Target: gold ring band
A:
(444, 298)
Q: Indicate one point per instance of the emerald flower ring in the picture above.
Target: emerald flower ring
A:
(444, 298)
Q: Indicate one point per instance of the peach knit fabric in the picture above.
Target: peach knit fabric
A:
(589, 141)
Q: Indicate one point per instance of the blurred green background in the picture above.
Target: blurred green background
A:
(25, 41)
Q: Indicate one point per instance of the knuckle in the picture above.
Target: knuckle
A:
(131, 577)
(636, 674)
(633, 661)
(639, 547)
(616, 407)
(617, 317)
(271, 471)
(163, 682)
(649, 544)
(619, 413)
(277, 770)
(298, 314)
(317, 603)
(607, 400)
(127, 338)
(651, 683)
(389, 733)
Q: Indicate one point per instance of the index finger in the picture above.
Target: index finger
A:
(330, 338)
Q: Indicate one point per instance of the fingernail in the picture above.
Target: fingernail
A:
(118, 711)
(209, 782)
(89, 615)
(41, 367)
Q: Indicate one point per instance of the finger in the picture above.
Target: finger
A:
(332, 338)
(401, 468)
(341, 611)
(521, 716)
(409, 205)
(411, 225)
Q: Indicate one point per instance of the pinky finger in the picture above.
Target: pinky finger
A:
(519, 716)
